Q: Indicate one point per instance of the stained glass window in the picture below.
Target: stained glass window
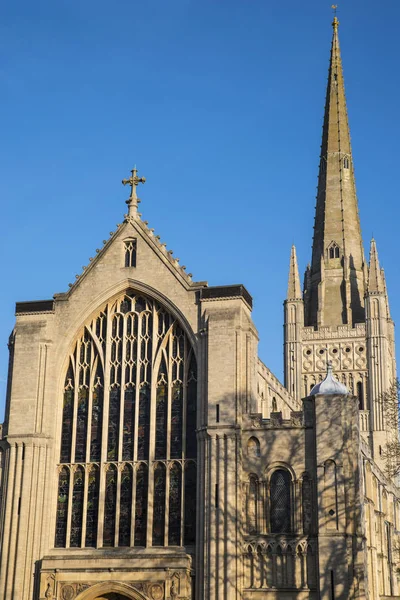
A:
(176, 420)
(161, 413)
(97, 419)
(81, 425)
(141, 505)
(110, 506)
(280, 502)
(92, 510)
(159, 505)
(144, 423)
(125, 509)
(68, 410)
(129, 424)
(111, 372)
(175, 508)
(190, 503)
(62, 508)
(113, 424)
(77, 508)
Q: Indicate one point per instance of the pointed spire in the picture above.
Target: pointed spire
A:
(375, 280)
(337, 233)
(294, 288)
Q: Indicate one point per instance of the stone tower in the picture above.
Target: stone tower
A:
(343, 313)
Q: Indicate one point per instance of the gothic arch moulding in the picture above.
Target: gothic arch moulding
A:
(111, 294)
(111, 587)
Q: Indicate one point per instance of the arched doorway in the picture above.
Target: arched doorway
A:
(112, 590)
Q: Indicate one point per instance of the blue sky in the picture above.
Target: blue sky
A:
(220, 105)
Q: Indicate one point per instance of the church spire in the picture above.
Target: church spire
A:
(294, 288)
(335, 295)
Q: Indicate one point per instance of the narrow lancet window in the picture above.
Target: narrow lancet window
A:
(130, 253)
(280, 502)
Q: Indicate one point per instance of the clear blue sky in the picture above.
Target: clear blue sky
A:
(220, 104)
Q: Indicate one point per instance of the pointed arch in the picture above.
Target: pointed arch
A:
(111, 587)
(119, 410)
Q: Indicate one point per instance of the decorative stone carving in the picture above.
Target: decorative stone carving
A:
(156, 592)
(67, 592)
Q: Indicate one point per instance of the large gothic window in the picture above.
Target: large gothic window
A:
(127, 471)
(280, 502)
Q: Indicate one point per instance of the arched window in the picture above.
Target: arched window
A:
(252, 505)
(280, 502)
(334, 251)
(360, 395)
(130, 253)
(346, 162)
(132, 360)
(274, 405)
(253, 447)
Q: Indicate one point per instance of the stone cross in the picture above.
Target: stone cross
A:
(133, 181)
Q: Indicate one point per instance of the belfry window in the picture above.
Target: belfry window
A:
(346, 162)
(131, 361)
(280, 502)
(130, 253)
(334, 251)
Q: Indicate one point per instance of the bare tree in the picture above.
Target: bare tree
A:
(391, 407)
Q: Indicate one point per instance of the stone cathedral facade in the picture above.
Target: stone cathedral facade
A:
(147, 453)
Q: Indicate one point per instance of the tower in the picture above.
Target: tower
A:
(343, 314)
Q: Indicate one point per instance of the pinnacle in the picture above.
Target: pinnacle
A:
(376, 281)
(294, 288)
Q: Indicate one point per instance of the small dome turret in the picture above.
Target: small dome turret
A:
(330, 385)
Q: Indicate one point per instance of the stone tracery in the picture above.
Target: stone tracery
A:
(128, 430)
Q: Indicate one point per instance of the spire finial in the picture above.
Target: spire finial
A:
(335, 19)
(133, 200)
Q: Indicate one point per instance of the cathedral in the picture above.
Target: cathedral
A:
(147, 453)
